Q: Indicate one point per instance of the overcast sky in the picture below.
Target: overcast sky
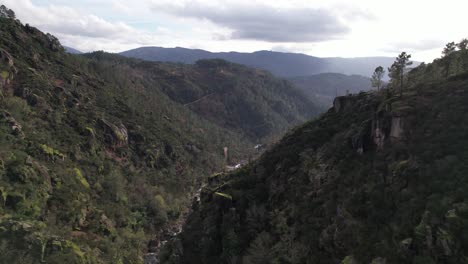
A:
(324, 28)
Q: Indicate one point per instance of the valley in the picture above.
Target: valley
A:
(101, 154)
(184, 156)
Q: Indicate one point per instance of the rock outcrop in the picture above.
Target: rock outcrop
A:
(7, 71)
(116, 136)
(396, 131)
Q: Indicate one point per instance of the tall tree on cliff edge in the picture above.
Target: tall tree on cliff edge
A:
(377, 77)
(397, 70)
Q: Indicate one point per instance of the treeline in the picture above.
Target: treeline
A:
(454, 61)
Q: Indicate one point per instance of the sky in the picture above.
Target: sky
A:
(323, 28)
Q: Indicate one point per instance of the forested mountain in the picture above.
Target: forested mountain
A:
(278, 63)
(324, 87)
(251, 102)
(380, 178)
(99, 153)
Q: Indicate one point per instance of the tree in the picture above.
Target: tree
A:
(397, 70)
(6, 13)
(463, 46)
(447, 56)
(377, 77)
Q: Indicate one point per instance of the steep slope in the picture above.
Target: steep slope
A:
(377, 179)
(324, 87)
(97, 157)
(278, 63)
(251, 102)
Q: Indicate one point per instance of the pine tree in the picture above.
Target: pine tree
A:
(377, 77)
(463, 47)
(447, 57)
(397, 70)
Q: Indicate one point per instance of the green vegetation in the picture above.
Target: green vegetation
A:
(379, 178)
(377, 77)
(99, 153)
(397, 70)
(227, 196)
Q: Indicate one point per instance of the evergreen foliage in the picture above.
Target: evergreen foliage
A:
(379, 178)
(99, 153)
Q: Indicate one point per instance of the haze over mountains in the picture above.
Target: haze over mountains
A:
(279, 63)
(324, 87)
(72, 50)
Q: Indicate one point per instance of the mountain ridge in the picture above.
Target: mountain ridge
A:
(100, 154)
(282, 64)
(379, 178)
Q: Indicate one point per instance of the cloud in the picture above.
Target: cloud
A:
(84, 31)
(66, 20)
(258, 21)
(293, 48)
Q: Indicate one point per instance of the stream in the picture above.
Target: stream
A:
(173, 229)
(169, 232)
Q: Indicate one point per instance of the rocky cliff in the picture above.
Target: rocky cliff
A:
(377, 179)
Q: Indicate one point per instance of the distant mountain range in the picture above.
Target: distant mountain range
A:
(279, 63)
(72, 50)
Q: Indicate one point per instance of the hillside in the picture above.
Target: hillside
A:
(324, 87)
(279, 63)
(379, 178)
(99, 154)
(253, 103)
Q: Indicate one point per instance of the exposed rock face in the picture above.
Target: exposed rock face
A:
(7, 70)
(378, 134)
(115, 135)
(396, 131)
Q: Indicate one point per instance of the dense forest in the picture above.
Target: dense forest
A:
(100, 153)
(101, 156)
(379, 178)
